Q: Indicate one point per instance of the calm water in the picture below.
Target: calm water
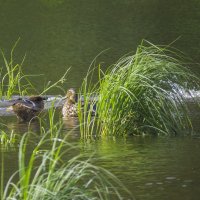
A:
(152, 168)
(58, 34)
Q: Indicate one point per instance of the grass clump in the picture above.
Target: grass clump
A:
(46, 174)
(13, 80)
(87, 101)
(143, 93)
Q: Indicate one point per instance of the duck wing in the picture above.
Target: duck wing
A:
(26, 103)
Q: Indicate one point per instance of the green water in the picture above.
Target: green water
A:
(151, 168)
(56, 35)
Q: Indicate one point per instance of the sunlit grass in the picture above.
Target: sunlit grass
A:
(46, 174)
(52, 122)
(58, 84)
(13, 79)
(142, 93)
(7, 140)
(86, 112)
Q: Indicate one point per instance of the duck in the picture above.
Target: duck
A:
(28, 109)
(70, 107)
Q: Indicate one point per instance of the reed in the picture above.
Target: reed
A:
(143, 93)
(86, 109)
(53, 122)
(7, 140)
(13, 80)
(48, 175)
(58, 84)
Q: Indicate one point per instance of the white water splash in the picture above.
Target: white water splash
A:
(188, 95)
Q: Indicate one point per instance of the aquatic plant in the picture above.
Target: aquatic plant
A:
(53, 123)
(13, 80)
(58, 84)
(6, 139)
(46, 174)
(87, 101)
(143, 93)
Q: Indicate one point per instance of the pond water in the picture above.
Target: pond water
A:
(151, 168)
(58, 34)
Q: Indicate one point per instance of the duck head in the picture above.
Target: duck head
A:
(38, 101)
(71, 96)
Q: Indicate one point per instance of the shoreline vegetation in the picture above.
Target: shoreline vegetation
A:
(141, 94)
(15, 82)
(46, 174)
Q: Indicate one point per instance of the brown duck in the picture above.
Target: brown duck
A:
(27, 109)
(70, 106)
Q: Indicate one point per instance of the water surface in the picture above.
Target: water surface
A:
(56, 35)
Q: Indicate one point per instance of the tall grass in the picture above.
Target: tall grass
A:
(142, 93)
(53, 122)
(13, 80)
(6, 139)
(48, 175)
(58, 84)
(86, 115)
